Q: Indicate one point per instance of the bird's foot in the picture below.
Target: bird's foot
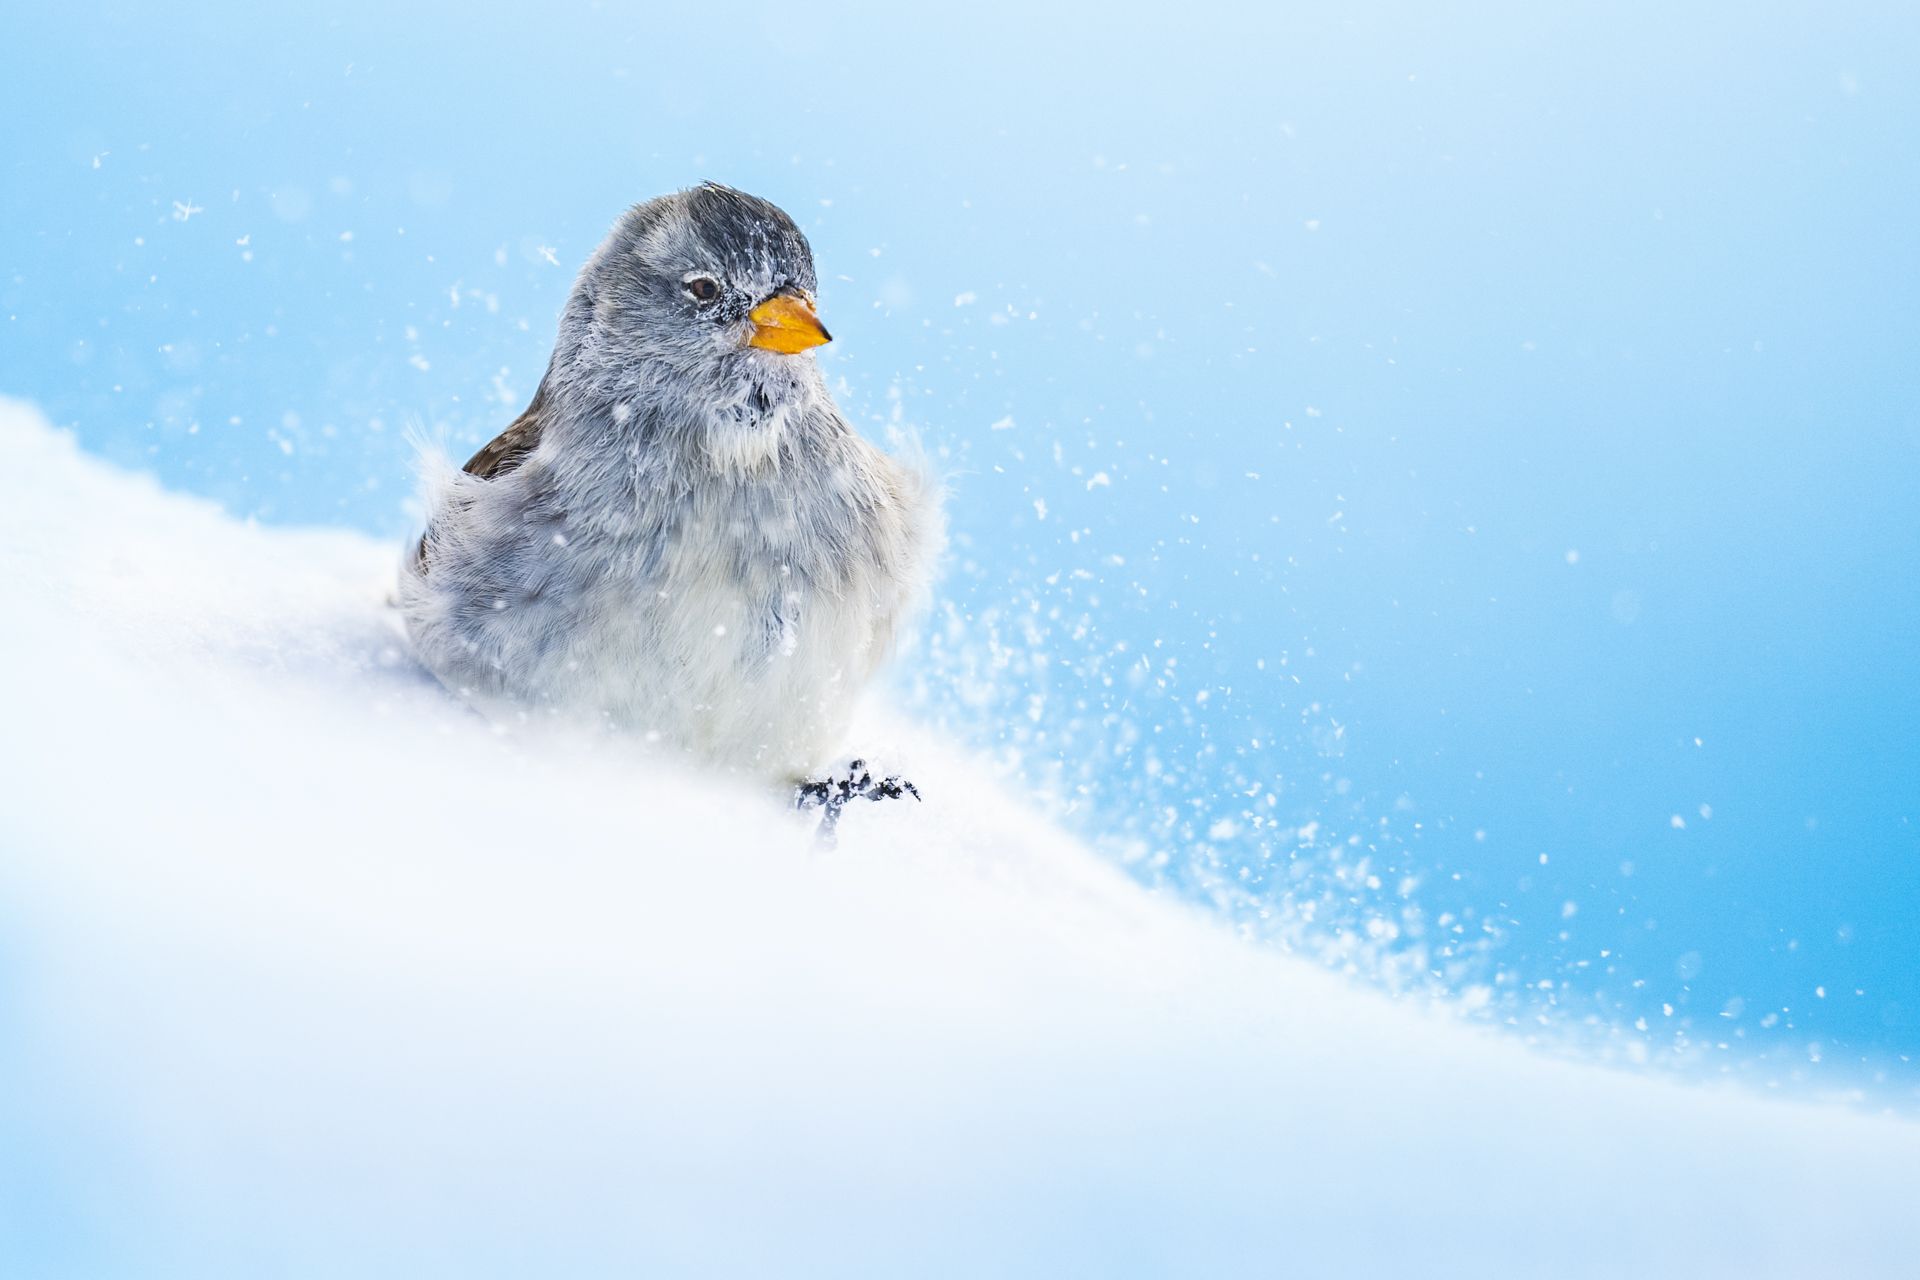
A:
(831, 795)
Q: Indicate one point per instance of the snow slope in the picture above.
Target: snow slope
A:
(305, 971)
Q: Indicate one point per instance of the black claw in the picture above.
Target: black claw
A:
(833, 794)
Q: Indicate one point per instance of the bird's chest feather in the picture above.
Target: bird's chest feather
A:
(754, 580)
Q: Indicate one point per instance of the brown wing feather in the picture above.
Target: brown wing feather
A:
(501, 455)
(511, 447)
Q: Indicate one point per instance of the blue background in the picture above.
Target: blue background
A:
(1406, 461)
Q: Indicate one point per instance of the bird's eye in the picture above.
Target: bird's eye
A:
(702, 288)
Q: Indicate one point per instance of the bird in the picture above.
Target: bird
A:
(681, 537)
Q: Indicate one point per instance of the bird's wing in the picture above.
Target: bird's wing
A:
(511, 447)
(501, 455)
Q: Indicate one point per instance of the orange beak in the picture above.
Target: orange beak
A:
(786, 323)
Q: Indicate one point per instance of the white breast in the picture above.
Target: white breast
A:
(754, 669)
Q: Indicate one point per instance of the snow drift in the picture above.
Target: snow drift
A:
(306, 971)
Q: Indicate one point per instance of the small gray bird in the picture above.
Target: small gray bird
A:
(681, 537)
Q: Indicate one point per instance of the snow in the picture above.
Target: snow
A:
(306, 971)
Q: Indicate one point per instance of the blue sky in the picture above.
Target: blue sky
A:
(1491, 431)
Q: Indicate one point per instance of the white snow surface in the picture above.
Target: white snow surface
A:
(307, 971)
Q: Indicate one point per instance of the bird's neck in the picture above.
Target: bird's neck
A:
(665, 426)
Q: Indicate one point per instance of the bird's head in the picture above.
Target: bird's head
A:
(703, 299)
